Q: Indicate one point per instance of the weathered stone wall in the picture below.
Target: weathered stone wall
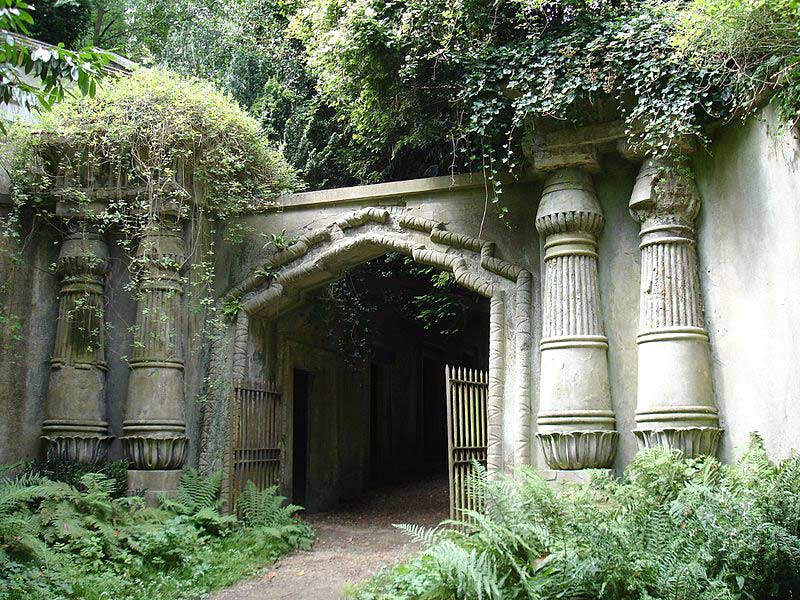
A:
(749, 243)
(30, 298)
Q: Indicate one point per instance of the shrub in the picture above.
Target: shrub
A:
(55, 468)
(671, 528)
(142, 129)
(59, 540)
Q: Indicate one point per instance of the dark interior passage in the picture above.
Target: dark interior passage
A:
(300, 392)
(367, 357)
(434, 413)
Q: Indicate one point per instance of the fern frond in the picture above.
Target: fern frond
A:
(194, 493)
(424, 536)
(264, 507)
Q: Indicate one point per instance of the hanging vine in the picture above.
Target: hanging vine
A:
(146, 145)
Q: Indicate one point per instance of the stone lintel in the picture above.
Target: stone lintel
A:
(70, 209)
(590, 136)
(545, 161)
(571, 146)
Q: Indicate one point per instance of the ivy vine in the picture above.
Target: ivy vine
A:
(471, 79)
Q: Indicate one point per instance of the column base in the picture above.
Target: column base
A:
(156, 453)
(558, 477)
(692, 441)
(153, 483)
(78, 448)
(575, 450)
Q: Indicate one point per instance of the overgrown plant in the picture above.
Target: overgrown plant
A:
(671, 528)
(163, 136)
(753, 46)
(145, 142)
(468, 81)
(79, 541)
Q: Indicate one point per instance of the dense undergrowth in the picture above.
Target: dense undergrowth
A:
(59, 540)
(671, 528)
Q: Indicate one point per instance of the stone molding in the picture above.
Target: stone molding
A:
(78, 448)
(576, 420)
(74, 427)
(322, 254)
(385, 237)
(692, 441)
(675, 403)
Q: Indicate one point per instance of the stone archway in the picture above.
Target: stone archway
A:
(324, 254)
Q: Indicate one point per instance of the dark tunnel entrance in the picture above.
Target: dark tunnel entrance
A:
(364, 360)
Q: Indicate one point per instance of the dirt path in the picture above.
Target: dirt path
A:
(353, 543)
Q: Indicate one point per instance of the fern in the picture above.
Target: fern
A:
(62, 540)
(194, 494)
(671, 528)
(424, 536)
(264, 507)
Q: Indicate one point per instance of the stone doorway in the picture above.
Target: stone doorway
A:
(255, 349)
(365, 397)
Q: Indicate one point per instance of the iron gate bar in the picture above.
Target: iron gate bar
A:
(467, 433)
(256, 432)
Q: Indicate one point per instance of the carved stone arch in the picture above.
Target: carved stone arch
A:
(324, 254)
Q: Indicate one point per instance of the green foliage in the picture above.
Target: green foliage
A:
(464, 81)
(369, 90)
(144, 129)
(61, 21)
(37, 78)
(264, 507)
(244, 47)
(196, 493)
(753, 46)
(671, 528)
(80, 541)
(70, 472)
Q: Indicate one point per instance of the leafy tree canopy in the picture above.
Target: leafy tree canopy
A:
(61, 21)
(370, 90)
(35, 78)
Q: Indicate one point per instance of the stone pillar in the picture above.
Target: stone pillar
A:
(75, 426)
(576, 420)
(675, 402)
(154, 427)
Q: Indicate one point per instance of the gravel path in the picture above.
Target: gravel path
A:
(353, 543)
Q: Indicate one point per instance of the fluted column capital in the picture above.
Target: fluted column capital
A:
(569, 204)
(665, 194)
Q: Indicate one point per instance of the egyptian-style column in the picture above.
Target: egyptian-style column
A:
(576, 419)
(75, 426)
(675, 403)
(154, 428)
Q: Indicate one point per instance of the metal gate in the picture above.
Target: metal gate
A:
(467, 433)
(256, 434)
